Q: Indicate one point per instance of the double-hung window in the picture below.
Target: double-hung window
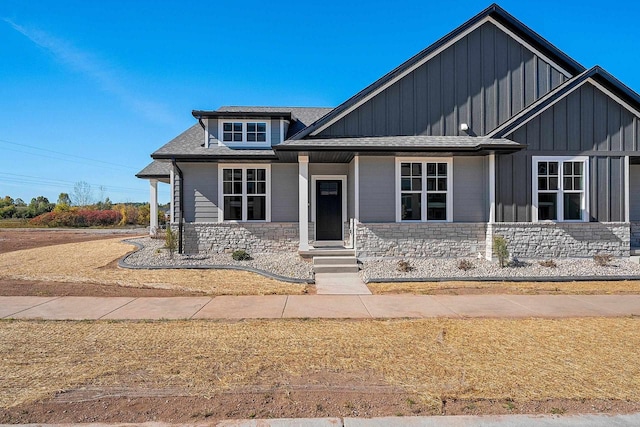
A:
(240, 132)
(560, 188)
(244, 192)
(424, 190)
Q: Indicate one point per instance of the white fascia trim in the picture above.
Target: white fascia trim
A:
(244, 144)
(596, 85)
(437, 52)
(534, 185)
(206, 132)
(492, 188)
(627, 206)
(423, 213)
(244, 167)
(356, 188)
(281, 132)
(343, 179)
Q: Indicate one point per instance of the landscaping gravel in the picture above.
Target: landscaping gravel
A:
(153, 254)
(424, 268)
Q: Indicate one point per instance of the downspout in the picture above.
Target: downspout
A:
(180, 204)
(201, 123)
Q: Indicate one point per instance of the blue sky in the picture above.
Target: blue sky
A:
(89, 89)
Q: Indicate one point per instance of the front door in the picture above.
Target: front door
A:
(329, 209)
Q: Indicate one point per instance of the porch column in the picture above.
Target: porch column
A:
(303, 201)
(492, 207)
(153, 205)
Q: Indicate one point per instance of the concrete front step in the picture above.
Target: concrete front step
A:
(334, 260)
(336, 268)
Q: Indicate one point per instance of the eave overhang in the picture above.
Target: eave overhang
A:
(284, 115)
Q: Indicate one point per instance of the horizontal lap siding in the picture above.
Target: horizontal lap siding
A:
(469, 189)
(284, 192)
(483, 79)
(200, 192)
(377, 189)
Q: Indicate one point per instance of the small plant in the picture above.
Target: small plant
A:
(465, 264)
(500, 249)
(558, 411)
(170, 241)
(403, 266)
(602, 260)
(549, 263)
(240, 255)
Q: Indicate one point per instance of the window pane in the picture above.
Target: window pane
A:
(226, 127)
(405, 184)
(262, 188)
(262, 127)
(237, 137)
(573, 206)
(228, 187)
(251, 137)
(553, 168)
(233, 208)
(567, 183)
(237, 127)
(431, 169)
(411, 207)
(227, 136)
(542, 184)
(567, 168)
(442, 184)
(262, 137)
(577, 168)
(553, 183)
(237, 174)
(547, 203)
(431, 184)
(416, 184)
(256, 208)
(577, 183)
(262, 174)
(237, 187)
(226, 174)
(405, 169)
(416, 169)
(437, 207)
(542, 168)
(442, 169)
(251, 187)
(251, 127)
(251, 174)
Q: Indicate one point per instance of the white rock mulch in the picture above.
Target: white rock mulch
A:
(424, 268)
(284, 264)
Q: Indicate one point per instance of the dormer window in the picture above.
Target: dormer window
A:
(244, 133)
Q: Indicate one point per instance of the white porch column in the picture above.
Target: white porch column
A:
(492, 207)
(303, 201)
(153, 205)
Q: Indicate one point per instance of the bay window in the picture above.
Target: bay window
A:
(424, 190)
(244, 192)
(560, 188)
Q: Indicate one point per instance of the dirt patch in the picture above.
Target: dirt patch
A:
(12, 240)
(9, 287)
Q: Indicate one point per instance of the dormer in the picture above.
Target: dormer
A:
(244, 129)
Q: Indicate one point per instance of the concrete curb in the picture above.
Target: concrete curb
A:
(123, 263)
(504, 279)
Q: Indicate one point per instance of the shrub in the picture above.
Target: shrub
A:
(548, 263)
(465, 264)
(602, 260)
(500, 249)
(240, 255)
(404, 266)
(170, 241)
(74, 217)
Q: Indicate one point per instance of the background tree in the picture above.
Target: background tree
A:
(82, 193)
(64, 199)
(38, 206)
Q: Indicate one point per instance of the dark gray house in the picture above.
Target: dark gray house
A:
(491, 130)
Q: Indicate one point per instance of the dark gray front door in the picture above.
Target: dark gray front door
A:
(329, 210)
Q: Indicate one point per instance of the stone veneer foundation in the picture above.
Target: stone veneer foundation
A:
(544, 240)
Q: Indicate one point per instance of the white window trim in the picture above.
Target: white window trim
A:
(560, 200)
(244, 167)
(423, 213)
(244, 143)
(343, 179)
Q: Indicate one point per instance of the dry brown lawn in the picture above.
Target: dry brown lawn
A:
(436, 359)
(96, 262)
(463, 287)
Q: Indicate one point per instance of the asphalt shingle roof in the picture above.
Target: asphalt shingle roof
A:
(155, 169)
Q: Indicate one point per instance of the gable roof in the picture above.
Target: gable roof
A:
(596, 75)
(493, 13)
(155, 170)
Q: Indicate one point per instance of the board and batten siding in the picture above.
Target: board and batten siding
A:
(634, 192)
(482, 80)
(284, 192)
(377, 189)
(200, 192)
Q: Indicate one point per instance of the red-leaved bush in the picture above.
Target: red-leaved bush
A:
(77, 218)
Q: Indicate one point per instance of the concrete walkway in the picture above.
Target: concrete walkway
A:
(318, 306)
(340, 284)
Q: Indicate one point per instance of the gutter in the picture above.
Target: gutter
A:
(180, 204)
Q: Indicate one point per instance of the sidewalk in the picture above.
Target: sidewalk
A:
(319, 306)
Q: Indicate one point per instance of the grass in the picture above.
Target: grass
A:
(527, 288)
(96, 262)
(15, 223)
(518, 360)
